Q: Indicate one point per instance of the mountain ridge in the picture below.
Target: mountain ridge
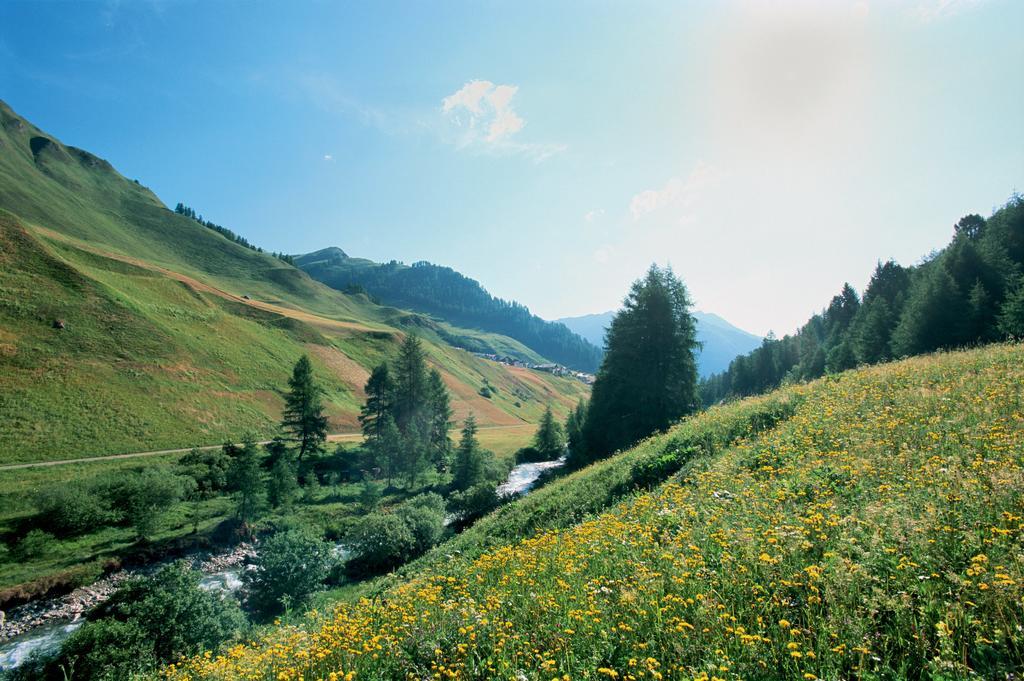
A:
(722, 341)
(446, 293)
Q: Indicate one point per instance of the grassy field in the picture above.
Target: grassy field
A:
(875, 533)
(176, 336)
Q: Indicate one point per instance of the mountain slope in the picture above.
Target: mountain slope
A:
(872, 533)
(443, 292)
(174, 335)
(721, 340)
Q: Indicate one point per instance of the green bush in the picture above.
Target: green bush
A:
(289, 567)
(209, 469)
(380, 542)
(71, 509)
(528, 455)
(424, 516)
(139, 499)
(106, 650)
(36, 544)
(474, 502)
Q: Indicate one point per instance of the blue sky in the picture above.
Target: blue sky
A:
(768, 151)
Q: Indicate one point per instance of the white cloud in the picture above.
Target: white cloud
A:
(482, 117)
(592, 215)
(677, 192)
(328, 157)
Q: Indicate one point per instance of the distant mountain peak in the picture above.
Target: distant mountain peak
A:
(324, 255)
(721, 340)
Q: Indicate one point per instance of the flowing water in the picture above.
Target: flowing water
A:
(523, 477)
(44, 639)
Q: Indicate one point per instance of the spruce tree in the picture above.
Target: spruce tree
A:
(1011, 316)
(303, 412)
(410, 388)
(648, 378)
(247, 481)
(549, 440)
(387, 449)
(440, 409)
(283, 485)
(379, 393)
(574, 428)
(468, 468)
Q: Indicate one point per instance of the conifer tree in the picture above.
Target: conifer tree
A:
(304, 413)
(648, 378)
(410, 387)
(386, 449)
(379, 393)
(283, 485)
(468, 468)
(440, 410)
(247, 481)
(574, 428)
(549, 440)
(1011, 317)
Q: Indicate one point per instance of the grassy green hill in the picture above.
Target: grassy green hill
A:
(174, 335)
(867, 525)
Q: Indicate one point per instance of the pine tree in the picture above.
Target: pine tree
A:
(574, 429)
(247, 481)
(648, 378)
(934, 316)
(873, 332)
(549, 440)
(440, 410)
(303, 413)
(410, 388)
(386, 450)
(468, 468)
(283, 486)
(1011, 316)
(379, 394)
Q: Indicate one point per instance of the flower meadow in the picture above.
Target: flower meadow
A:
(874, 534)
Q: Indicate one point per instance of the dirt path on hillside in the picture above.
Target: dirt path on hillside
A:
(336, 437)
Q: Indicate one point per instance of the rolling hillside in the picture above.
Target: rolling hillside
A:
(722, 341)
(126, 327)
(866, 525)
(441, 291)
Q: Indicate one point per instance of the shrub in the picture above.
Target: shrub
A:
(289, 567)
(36, 544)
(141, 498)
(474, 503)
(208, 468)
(71, 509)
(107, 650)
(380, 542)
(424, 516)
(528, 455)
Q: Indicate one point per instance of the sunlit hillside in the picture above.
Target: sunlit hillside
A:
(874, 533)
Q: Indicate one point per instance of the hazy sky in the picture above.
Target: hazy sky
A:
(769, 151)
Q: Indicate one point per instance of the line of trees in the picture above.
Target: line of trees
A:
(969, 293)
(443, 292)
(182, 209)
(406, 418)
